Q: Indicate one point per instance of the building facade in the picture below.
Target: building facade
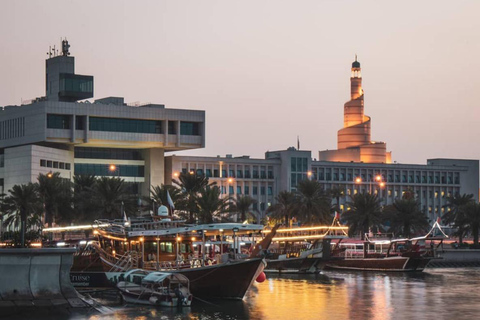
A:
(263, 179)
(56, 133)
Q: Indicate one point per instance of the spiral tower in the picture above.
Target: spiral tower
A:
(354, 139)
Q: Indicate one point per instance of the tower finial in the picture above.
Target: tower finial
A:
(355, 57)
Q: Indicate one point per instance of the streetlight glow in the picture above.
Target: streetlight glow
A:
(112, 167)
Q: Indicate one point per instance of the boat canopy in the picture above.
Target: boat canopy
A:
(158, 277)
(215, 228)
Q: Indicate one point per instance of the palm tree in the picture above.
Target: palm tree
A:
(284, 206)
(242, 205)
(110, 193)
(313, 205)
(191, 184)
(158, 196)
(455, 216)
(365, 212)
(23, 202)
(56, 194)
(337, 193)
(83, 198)
(471, 212)
(405, 217)
(211, 204)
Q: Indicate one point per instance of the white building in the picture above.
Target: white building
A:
(56, 133)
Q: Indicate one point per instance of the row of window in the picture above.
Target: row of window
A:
(107, 153)
(387, 178)
(58, 121)
(246, 190)
(12, 128)
(104, 170)
(125, 125)
(215, 173)
(54, 164)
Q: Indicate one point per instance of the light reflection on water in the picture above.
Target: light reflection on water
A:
(433, 294)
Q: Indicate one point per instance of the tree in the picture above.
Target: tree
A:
(242, 204)
(337, 193)
(365, 212)
(455, 216)
(313, 205)
(158, 196)
(284, 206)
(405, 217)
(211, 204)
(190, 185)
(84, 198)
(471, 212)
(56, 194)
(110, 193)
(23, 202)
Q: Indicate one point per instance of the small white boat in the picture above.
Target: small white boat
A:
(155, 288)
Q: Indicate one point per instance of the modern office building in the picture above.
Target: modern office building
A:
(58, 133)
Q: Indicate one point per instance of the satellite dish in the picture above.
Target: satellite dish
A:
(163, 211)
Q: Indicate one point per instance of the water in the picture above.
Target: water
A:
(433, 294)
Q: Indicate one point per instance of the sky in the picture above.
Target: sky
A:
(267, 71)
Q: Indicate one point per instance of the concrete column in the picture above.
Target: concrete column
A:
(154, 169)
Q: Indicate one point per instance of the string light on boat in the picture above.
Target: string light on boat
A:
(179, 239)
(193, 238)
(141, 239)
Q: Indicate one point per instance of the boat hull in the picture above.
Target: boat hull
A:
(398, 264)
(292, 265)
(227, 281)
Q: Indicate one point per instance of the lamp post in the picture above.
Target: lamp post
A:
(378, 179)
(113, 168)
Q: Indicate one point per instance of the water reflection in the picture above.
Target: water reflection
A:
(434, 294)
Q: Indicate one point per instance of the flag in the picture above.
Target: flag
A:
(124, 214)
(337, 215)
(170, 202)
(298, 143)
(438, 220)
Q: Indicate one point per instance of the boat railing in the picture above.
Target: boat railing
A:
(354, 254)
(155, 225)
(181, 264)
(118, 262)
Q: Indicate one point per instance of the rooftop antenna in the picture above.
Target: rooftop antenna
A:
(65, 47)
(355, 57)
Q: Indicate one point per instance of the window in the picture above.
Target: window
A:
(262, 206)
(270, 191)
(246, 190)
(262, 191)
(58, 121)
(103, 170)
(189, 128)
(230, 189)
(208, 173)
(108, 153)
(255, 190)
(49, 164)
(247, 173)
(79, 122)
(239, 174)
(239, 190)
(224, 173)
(171, 127)
(43, 163)
(231, 173)
(67, 166)
(55, 164)
(125, 125)
(215, 173)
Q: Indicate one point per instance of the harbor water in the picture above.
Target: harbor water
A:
(449, 293)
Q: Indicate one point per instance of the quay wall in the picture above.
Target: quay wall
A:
(37, 278)
(456, 258)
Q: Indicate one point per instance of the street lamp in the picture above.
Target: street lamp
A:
(112, 168)
(378, 179)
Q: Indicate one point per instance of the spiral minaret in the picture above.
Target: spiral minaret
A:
(354, 139)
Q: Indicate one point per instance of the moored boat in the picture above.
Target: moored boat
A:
(155, 288)
(302, 249)
(169, 246)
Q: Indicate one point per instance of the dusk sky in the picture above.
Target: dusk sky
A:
(266, 72)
